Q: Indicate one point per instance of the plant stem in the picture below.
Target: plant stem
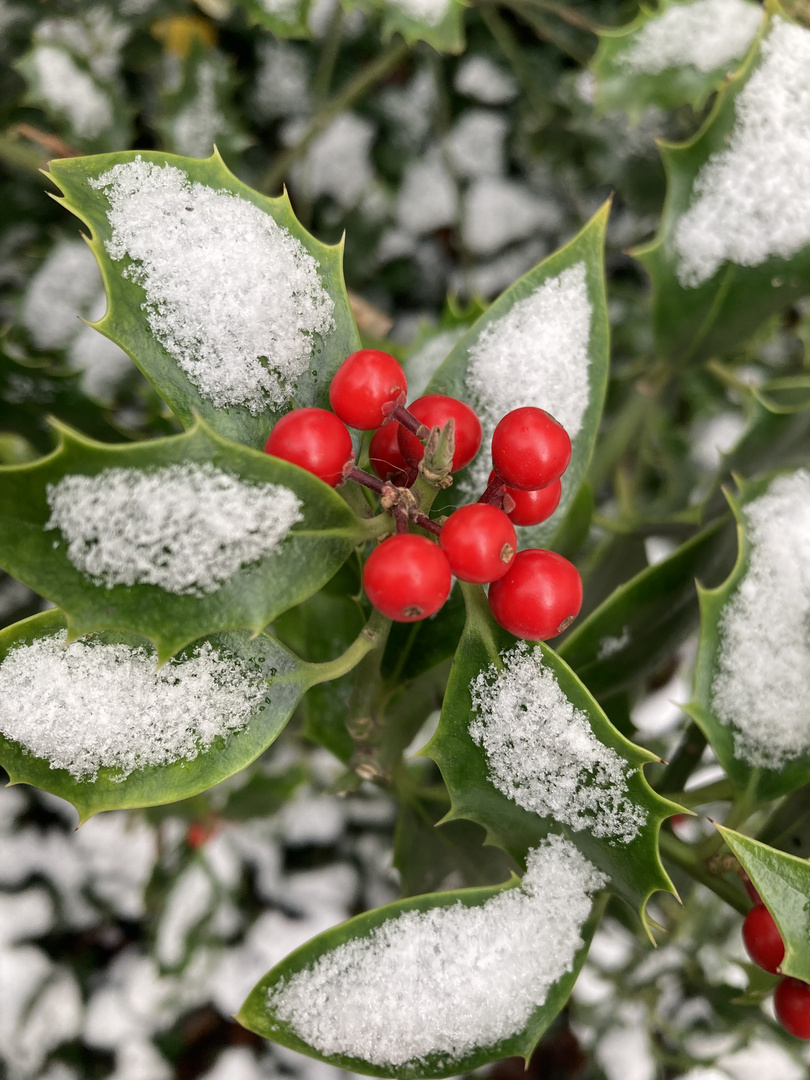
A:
(494, 493)
(351, 93)
(509, 46)
(363, 721)
(322, 79)
(684, 760)
(360, 476)
(685, 857)
(373, 636)
(566, 14)
(402, 416)
(719, 791)
(424, 522)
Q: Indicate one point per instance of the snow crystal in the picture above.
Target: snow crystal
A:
(535, 354)
(430, 12)
(427, 197)
(751, 201)
(242, 344)
(72, 92)
(480, 77)
(197, 125)
(475, 145)
(498, 211)
(86, 706)
(446, 981)
(609, 646)
(542, 753)
(65, 286)
(708, 35)
(185, 528)
(338, 162)
(282, 80)
(764, 662)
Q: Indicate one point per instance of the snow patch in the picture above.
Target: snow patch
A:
(708, 35)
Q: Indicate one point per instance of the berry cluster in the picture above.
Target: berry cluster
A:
(764, 944)
(534, 593)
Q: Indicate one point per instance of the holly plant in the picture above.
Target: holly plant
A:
(449, 590)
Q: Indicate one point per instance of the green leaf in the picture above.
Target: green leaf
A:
(760, 783)
(126, 321)
(789, 394)
(258, 1016)
(310, 554)
(445, 34)
(625, 56)
(287, 19)
(154, 785)
(634, 867)
(414, 648)
(643, 622)
(586, 249)
(694, 322)
(783, 882)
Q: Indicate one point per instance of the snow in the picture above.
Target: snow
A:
(199, 122)
(479, 77)
(282, 80)
(430, 12)
(244, 345)
(423, 362)
(542, 754)
(84, 706)
(535, 354)
(475, 144)
(450, 979)
(760, 688)
(714, 437)
(427, 196)
(708, 35)
(189, 902)
(338, 163)
(751, 200)
(498, 211)
(609, 646)
(72, 92)
(66, 286)
(184, 528)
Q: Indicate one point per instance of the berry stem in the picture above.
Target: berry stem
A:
(360, 476)
(424, 522)
(401, 518)
(373, 635)
(493, 496)
(409, 421)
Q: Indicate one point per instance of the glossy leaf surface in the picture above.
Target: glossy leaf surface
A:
(126, 322)
(154, 785)
(783, 882)
(634, 868)
(311, 553)
(586, 248)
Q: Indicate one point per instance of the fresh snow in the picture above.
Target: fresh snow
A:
(430, 12)
(233, 297)
(65, 287)
(708, 35)
(479, 77)
(498, 211)
(198, 123)
(87, 706)
(535, 354)
(72, 92)
(475, 144)
(751, 200)
(185, 528)
(542, 754)
(446, 981)
(338, 163)
(760, 688)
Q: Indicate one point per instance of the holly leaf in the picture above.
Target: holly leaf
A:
(631, 862)
(704, 303)
(286, 18)
(441, 27)
(662, 58)
(260, 1012)
(232, 394)
(644, 621)
(783, 883)
(250, 597)
(733, 749)
(287, 679)
(556, 320)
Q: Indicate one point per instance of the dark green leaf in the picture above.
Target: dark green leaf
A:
(634, 867)
(643, 622)
(126, 321)
(783, 882)
(445, 33)
(286, 20)
(451, 378)
(181, 779)
(312, 552)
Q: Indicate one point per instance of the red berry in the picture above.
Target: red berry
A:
(407, 578)
(363, 383)
(434, 410)
(791, 1002)
(530, 449)
(532, 507)
(479, 542)
(762, 939)
(538, 596)
(199, 833)
(314, 439)
(386, 457)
